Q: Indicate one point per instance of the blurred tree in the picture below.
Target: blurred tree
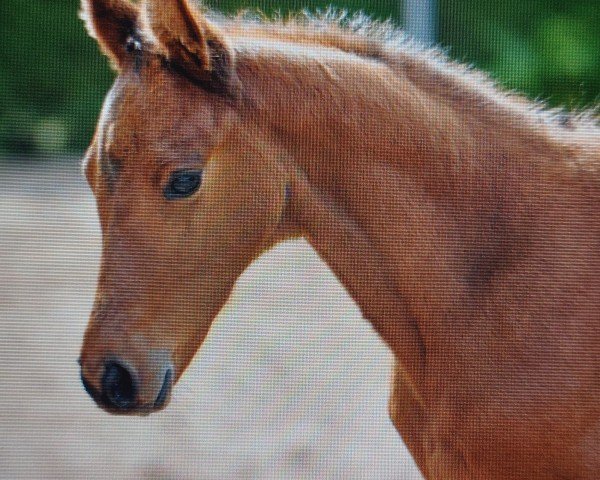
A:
(52, 79)
(545, 48)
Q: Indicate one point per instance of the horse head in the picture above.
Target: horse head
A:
(188, 193)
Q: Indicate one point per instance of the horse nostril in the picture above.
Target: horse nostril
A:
(119, 389)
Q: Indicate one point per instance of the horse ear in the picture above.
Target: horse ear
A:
(191, 43)
(112, 23)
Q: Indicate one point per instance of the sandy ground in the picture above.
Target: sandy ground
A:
(291, 382)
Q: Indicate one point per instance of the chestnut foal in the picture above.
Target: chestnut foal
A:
(464, 222)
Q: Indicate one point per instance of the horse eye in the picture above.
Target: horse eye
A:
(183, 184)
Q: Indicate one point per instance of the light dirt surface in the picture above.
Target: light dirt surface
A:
(291, 382)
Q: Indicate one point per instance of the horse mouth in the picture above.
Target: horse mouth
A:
(165, 390)
(89, 388)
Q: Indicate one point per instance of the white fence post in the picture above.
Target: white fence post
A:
(420, 20)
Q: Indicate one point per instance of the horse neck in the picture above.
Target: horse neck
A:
(405, 194)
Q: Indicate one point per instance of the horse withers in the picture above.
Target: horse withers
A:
(462, 220)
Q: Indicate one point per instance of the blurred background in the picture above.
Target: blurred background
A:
(291, 382)
(52, 80)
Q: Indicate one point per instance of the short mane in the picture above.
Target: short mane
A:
(357, 33)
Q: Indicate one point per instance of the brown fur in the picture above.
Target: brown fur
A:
(111, 22)
(463, 221)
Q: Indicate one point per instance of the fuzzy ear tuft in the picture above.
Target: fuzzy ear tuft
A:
(191, 44)
(112, 23)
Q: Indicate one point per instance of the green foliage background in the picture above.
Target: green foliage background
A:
(53, 80)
